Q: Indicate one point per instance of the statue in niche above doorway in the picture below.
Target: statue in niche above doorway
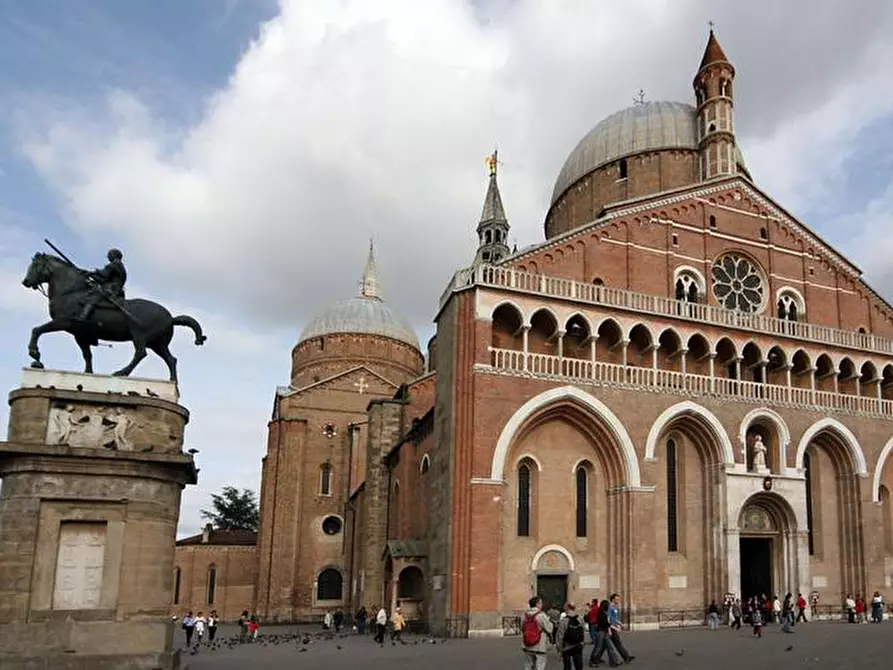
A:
(759, 454)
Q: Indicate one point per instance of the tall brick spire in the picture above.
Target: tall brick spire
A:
(713, 53)
(493, 227)
(369, 282)
(716, 121)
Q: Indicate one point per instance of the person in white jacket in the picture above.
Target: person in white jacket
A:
(381, 620)
(200, 623)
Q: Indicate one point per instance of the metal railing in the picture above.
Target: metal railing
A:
(681, 618)
(569, 289)
(511, 625)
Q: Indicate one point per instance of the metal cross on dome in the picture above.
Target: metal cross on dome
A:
(640, 97)
(361, 385)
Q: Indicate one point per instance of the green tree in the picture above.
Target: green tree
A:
(233, 510)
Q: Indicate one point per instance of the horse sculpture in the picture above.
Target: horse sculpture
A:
(145, 323)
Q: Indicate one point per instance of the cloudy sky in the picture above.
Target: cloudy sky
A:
(242, 152)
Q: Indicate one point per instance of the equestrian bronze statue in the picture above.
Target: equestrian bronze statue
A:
(91, 306)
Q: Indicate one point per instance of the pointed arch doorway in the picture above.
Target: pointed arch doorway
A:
(768, 547)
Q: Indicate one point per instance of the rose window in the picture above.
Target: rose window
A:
(737, 283)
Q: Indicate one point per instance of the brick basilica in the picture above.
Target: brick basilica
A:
(682, 392)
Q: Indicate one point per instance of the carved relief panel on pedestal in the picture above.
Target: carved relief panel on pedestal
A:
(73, 426)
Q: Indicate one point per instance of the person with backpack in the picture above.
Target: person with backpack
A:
(569, 638)
(535, 631)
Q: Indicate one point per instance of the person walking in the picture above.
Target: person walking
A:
(338, 619)
(757, 621)
(361, 620)
(189, 627)
(616, 627)
(398, 623)
(787, 614)
(736, 614)
(243, 625)
(877, 607)
(850, 607)
(801, 608)
(381, 620)
(212, 626)
(713, 616)
(570, 637)
(535, 631)
(590, 620)
(604, 643)
(200, 623)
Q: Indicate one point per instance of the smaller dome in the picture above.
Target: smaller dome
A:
(365, 313)
(369, 316)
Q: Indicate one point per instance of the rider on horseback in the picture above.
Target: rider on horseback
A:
(107, 283)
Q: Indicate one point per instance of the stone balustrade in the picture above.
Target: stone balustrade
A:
(671, 381)
(568, 289)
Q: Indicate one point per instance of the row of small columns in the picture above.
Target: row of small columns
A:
(682, 352)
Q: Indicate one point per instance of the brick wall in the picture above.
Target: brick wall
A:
(648, 173)
(642, 252)
(236, 575)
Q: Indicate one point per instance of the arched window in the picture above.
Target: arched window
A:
(809, 521)
(329, 585)
(325, 480)
(624, 169)
(689, 284)
(411, 584)
(487, 236)
(212, 584)
(523, 500)
(598, 281)
(672, 502)
(426, 465)
(582, 481)
(790, 306)
(176, 586)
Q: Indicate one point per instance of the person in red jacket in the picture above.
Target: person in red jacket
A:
(801, 608)
(591, 616)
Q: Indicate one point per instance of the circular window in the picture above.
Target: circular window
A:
(331, 525)
(738, 283)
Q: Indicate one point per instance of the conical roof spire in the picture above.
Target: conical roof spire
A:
(713, 53)
(493, 210)
(369, 282)
(493, 228)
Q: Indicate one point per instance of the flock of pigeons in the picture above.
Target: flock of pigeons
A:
(301, 640)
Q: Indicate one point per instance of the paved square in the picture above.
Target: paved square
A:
(827, 645)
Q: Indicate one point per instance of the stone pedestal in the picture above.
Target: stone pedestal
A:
(91, 479)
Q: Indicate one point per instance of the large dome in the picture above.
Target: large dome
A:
(367, 315)
(645, 127)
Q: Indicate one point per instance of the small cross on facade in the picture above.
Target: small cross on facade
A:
(361, 385)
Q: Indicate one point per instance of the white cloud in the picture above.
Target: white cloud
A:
(348, 119)
(869, 231)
